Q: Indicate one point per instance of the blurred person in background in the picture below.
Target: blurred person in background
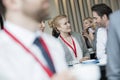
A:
(26, 53)
(73, 43)
(88, 31)
(113, 47)
(101, 14)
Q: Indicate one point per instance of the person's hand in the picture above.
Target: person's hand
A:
(85, 34)
(84, 59)
(66, 75)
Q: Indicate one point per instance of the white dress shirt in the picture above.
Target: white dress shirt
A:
(17, 64)
(101, 45)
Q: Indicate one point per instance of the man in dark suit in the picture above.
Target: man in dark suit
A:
(113, 47)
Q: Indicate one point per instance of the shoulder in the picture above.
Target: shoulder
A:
(52, 42)
(5, 43)
(115, 19)
(4, 40)
(76, 34)
(101, 33)
(50, 39)
(115, 15)
(60, 40)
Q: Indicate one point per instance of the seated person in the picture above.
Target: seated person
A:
(72, 42)
(88, 32)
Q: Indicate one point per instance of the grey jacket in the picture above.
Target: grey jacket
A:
(113, 47)
(81, 42)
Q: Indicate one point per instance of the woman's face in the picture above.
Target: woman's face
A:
(42, 26)
(64, 26)
(86, 24)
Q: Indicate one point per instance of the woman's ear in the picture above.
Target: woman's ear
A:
(58, 28)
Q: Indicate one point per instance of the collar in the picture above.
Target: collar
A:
(25, 36)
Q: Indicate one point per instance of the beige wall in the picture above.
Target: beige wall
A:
(54, 12)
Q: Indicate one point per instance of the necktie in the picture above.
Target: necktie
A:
(40, 45)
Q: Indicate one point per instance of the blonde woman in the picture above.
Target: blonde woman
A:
(88, 32)
(72, 42)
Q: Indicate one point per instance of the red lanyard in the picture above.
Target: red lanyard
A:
(74, 49)
(47, 70)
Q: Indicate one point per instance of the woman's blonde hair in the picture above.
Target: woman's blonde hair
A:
(91, 21)
(54, 23)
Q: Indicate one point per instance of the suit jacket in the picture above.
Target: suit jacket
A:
(113, 47)
(81, 42)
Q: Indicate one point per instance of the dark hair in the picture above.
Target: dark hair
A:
(55, 33)
(2, 8)
(102, 9)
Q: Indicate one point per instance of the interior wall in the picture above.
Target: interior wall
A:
(77, 10)
(54, 11)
